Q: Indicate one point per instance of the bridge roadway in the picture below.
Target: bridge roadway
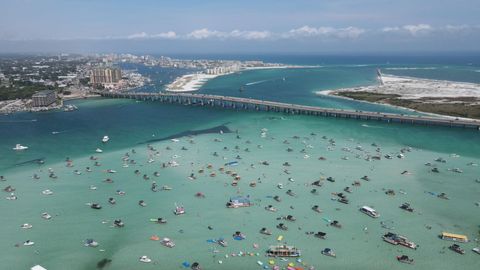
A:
(255, 104)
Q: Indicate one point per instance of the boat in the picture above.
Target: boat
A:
(406, 207)
(167, 242)
(454, 237)
(282, 226)
(265, 231)
(166, 188)
(343, 200)
(95, 206)
(118, 223)
(238, 236)
(179, 210)
(70, 108)
(222, 242)
(240, 201)
(98, 150)
(476, 250)
(283, 251)
(321, 235)
(19, 147)
(26, 226)
(12, 196)
(145, 259)
(405, 259)
(280, 185)
(28, 243)
(142, 203)
(271, 208)
(195, 266)
(45, 215)
(105, 139)
(369, 211)
(456, 248)
(329, 252)
(90, 243)
(112, 201)
(336, 224)
(396, 239)
(47, 192)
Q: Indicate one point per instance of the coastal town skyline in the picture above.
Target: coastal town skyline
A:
(247, 27)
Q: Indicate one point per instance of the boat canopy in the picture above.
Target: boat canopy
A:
(240, 199)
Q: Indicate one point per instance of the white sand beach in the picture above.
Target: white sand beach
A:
(415, 88)
(190, 82)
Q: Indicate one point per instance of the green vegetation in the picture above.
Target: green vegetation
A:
(462, 107)
(22, 90)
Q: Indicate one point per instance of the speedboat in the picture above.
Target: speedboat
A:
(145, 259)
(476, 250)
(196, 266)
(405, 259)
(456, 248)
(98, 150)
(112, 201)
(90, 243)
(282, 226)
(46, 215)
(105, 139)
(28, 243)
(47, 192)
(142, 203)
(179, 210)
(406, 207)
(280, 185)
(19, 147)
(369, 212)
(329, 252)
(166, 187)
(167, 242)
(321, 235)
(26, 226)
(95, 206)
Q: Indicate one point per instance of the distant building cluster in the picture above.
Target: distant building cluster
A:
(105, 76)
(222, 70)
(44, 98)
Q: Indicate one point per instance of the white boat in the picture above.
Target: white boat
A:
(369, 211)
(98, 150)
(105, 139)
(179, 210)
(476, 250)
(26, 226)
(47, 192)
(19, 147)
(280, 185)
(145, 259)
(45, 215)
(12, 196)
(175, 140)
(168, 242)
(28, 243)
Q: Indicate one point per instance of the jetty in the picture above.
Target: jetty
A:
(240, 103)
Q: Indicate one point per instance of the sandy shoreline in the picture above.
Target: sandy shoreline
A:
(193, 82)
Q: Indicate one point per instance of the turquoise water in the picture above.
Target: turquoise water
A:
(130, 124)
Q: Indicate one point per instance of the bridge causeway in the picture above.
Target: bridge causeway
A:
(239, 103)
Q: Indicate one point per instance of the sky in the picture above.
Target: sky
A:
(244, 26)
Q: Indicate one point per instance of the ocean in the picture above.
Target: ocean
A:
(57, 136)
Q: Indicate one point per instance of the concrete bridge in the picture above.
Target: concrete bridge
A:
(238, 103)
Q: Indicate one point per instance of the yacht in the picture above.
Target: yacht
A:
(19, 147)
(105, 139)
(369, 211)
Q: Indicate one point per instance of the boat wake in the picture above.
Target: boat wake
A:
(257, 82)
(368, 126)
(37, 160)
(411, 68)
(20, 121)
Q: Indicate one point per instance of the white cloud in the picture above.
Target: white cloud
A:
(412, 29)
(204, 33)
(144, 35)
(250, 35)
(308, 31)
